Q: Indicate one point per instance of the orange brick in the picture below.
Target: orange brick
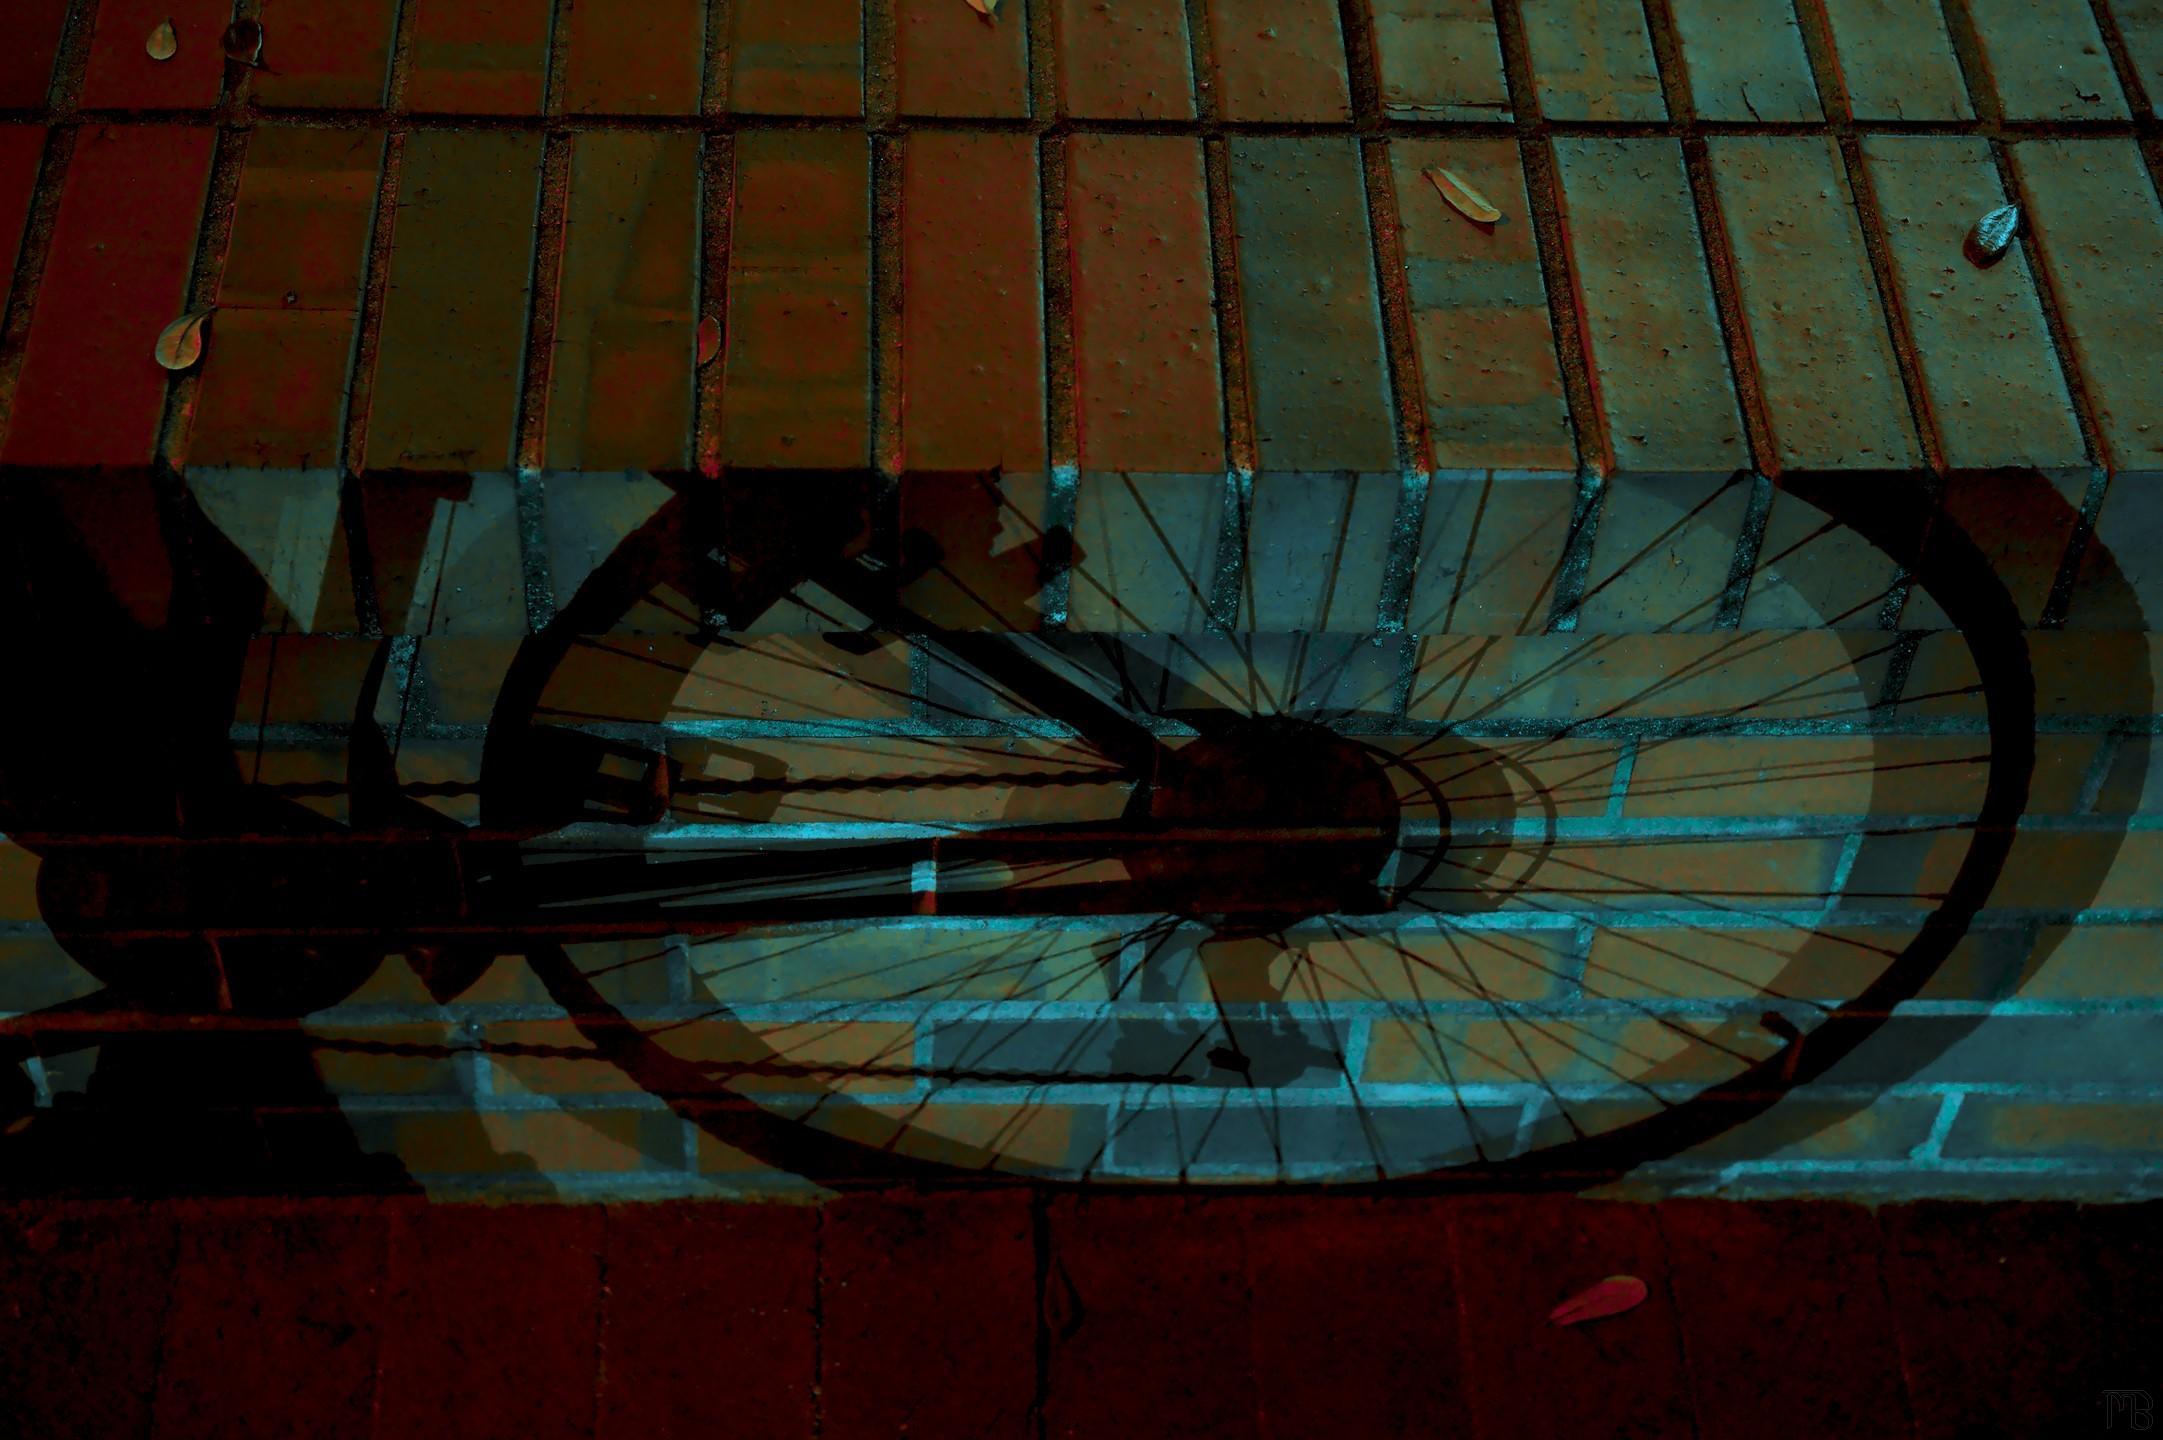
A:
(839, 1056)
(950, 62)
(2004, 1125)
(1801, 963)
(478, 56)
(1279, 60)
(804, 59)
(1129, 63)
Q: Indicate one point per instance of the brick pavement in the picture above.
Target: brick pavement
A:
(1270, 422)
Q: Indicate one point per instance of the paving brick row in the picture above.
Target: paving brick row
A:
(1279, 60)
(29, 40)
(1659, 366)
(2046, 59)
(1130, 62)
(1746, 60)
(90, 392)
(326, 53)
(1592, 60)
(2100, 231)
(950, 62)
(1313, 322)
(487, 59)
(1816, 328)
(1896, 60)
(1993, 380)
(972, 343)
(1480, 315)
(1439, 60)
(452, 356)
(620, 373)
(275, 375)
(121, 74)
(641, 60)
(797, 390)
(803, 59)
(1150, 394)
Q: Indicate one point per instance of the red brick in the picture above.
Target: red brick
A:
(1145, 330)
(22, 152)
(1488, 552)
(1648, 311)
(965, 1257)
(2046, 59)
(645, 59)
(620, 374)
(1831, 383)
(1307, 286)
(121, 74)
(1592, 60)
(1896, 60)
(454, 319)
(486, 57)
(798, 386)
(1989, 370)
(274, 1327)
(1439, 60)
(972, 324)
(274, 382)
(29, 39)
(81, 1333)
(1746, 60)
(1479, 313)
(805, 59)
(707, 1321)
(90, 392)
(1132, 62)
(952, 62)
(324, 52)
(2100, 232)
(498, 1318)
(1279, 60)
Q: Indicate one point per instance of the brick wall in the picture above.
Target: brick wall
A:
(1641, 528)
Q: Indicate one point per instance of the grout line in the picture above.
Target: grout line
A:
(1907, 354)
(536, 577)
(881, 67)
(214, 240)
(889, 156)
(30, 263)
(1041, 48)
(1062, 420)
(558, 63)
(2137, 98)
(1749, 543)
(543, 295)
(1415, 447)
(1576, 560)
(1201, 61)
(2060, 598)
(1239, 437)
(714, 67)
(717, 195)
(368, 329)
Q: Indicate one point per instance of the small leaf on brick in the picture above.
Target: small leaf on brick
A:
(989, 9)
(181, 343)
(244, 42)
(709, 340)
(1994, 232)
(1611, 1296)
(1465, 200)
(162, 44)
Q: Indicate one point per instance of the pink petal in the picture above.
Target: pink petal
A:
(1611, 1296)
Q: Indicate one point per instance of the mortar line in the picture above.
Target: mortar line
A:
(717, 216)
(544, 293)
(713, 88)
(889, 157)
(1062, 434)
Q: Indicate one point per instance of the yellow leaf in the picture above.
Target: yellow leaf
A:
(1465, 200)
(180, 344)
(162, 44)
(989, 9)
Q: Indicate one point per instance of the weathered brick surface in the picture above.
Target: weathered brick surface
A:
(2140, 25)
(1278, 60)
(1489, 550)
(2101, 234)
(619, 378)
(1307, 286)
(29, 39)
(952, 63)
(1811, 571)
(1662, 555)
(485, 58)
(1995, 388)
(1648, 307)
(90, 393)
(121, 74)
(453, 354)
(797, 59)
(1816, 329)
(641, 61)
(1129, 62)
(1315, 547)
(797, 390)
(2047, 60)
(1146, 546)
(1746, 60)
(1592, 60)
(275, 382)
(2022, 521)
(328, 52)
(1479, 312)
(972, 346)
(1439, 60)
(1896, 60)
(1149, 396)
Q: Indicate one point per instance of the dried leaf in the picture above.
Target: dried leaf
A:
(1465, 200)
(162, 44)
(1611, 1296)
(989, 9)
(180, 344)
(1994, 232)
(709, 340)
(244, 42)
